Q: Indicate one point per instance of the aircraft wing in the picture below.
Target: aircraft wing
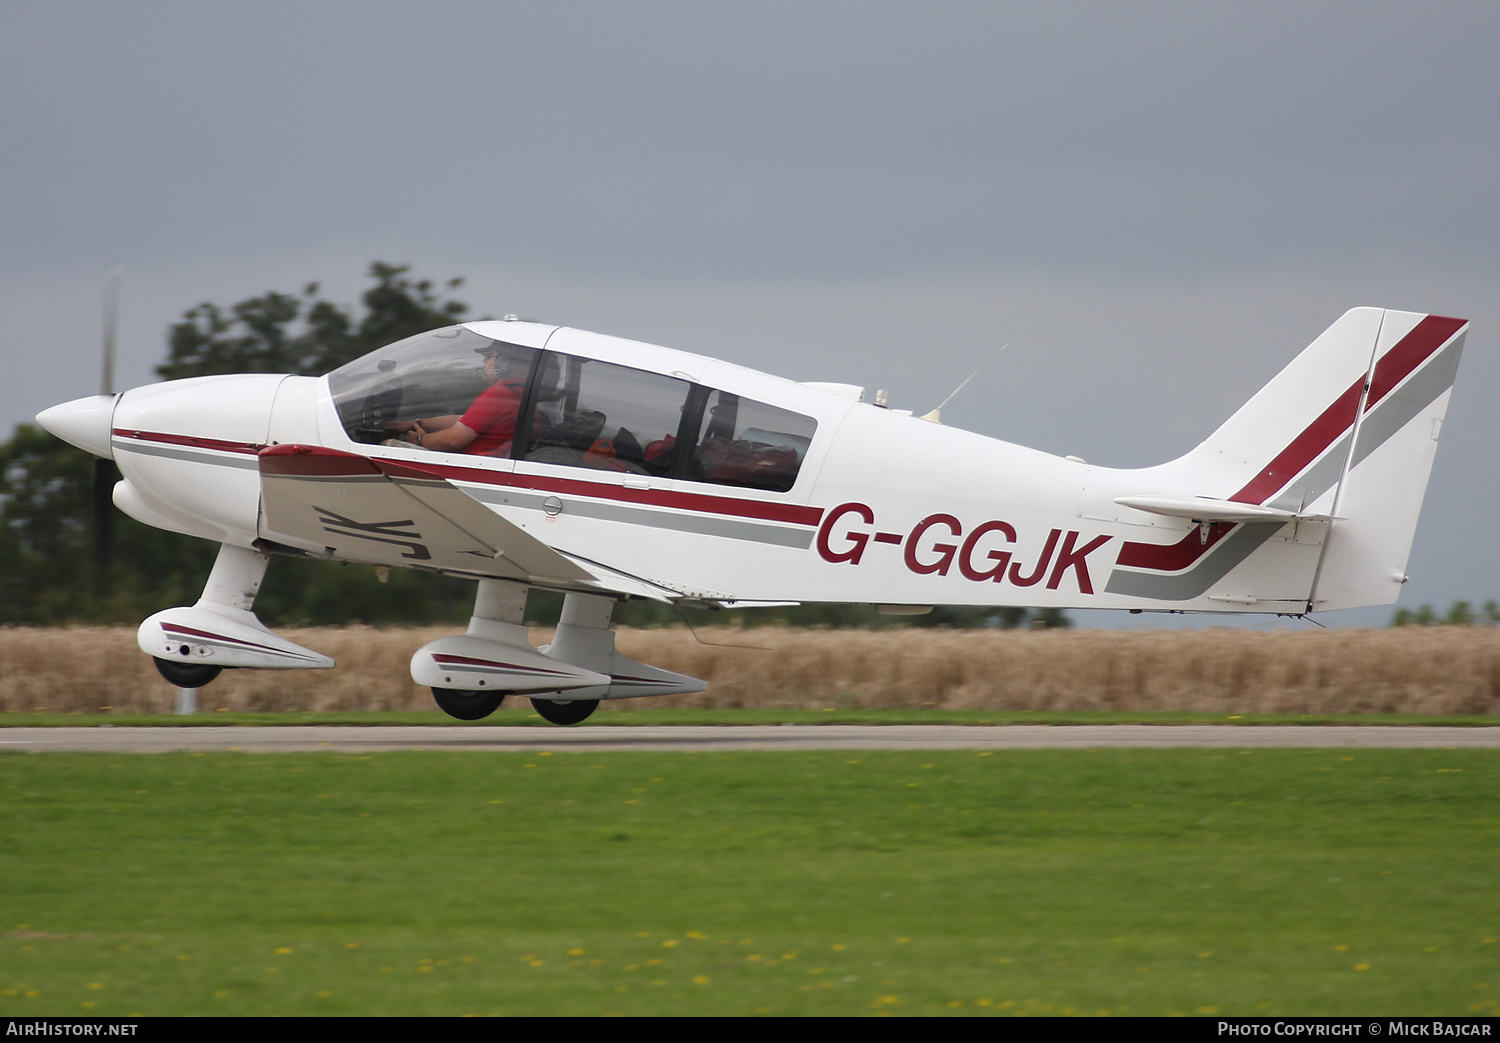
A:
(384, 513)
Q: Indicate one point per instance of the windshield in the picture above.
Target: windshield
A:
(432, 374)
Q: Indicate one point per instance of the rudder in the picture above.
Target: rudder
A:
(1393, 443)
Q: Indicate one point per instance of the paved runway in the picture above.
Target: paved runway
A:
(356, 739)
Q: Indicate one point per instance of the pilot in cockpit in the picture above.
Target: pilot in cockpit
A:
(488, 426)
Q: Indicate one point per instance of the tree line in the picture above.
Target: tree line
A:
(46, 558)
(1459, 614)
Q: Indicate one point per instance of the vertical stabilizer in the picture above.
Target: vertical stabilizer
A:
(1308, 496)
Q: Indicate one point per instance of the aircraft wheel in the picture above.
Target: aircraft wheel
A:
(186, 675)
(466, 705)
(573, 712)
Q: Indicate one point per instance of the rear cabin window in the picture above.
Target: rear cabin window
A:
(747, 443)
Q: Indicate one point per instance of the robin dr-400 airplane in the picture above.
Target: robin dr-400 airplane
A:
(524, 455)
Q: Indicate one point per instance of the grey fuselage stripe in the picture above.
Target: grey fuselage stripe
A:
(1379, 425)
(1243, 542)
(799, 538)
(194, 456)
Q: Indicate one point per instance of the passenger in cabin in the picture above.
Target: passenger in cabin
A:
(488, 426)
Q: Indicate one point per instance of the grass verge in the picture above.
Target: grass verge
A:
(1270, 882)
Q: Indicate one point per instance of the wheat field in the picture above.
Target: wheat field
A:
(1402, 670)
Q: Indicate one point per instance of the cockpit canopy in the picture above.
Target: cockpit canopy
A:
(572, 411)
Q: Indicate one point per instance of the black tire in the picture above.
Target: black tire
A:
(186, 675)
(564, 713)
(465, 705)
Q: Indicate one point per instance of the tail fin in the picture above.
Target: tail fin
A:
(1348, 430)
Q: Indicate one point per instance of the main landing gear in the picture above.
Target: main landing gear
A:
(467, 706)
(564, 680)
(476, 706)
(574, 712)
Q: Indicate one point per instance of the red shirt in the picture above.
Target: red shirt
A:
(492, 417)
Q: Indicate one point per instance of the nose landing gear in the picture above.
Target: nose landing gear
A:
(186, 675)
(191, 645)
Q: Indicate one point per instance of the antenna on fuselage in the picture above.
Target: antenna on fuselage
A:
(934, 415)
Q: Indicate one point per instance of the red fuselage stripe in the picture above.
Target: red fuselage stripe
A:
(320, 462)
(1170, 557)
(783, 512)
(249, 448)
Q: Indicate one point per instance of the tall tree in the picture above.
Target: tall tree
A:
(46, 563)
(286, 333)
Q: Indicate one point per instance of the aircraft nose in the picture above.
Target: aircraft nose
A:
(84, 422)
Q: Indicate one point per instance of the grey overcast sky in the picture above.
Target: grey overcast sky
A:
(1156, 204)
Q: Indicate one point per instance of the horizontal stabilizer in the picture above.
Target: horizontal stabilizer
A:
(1206, 509)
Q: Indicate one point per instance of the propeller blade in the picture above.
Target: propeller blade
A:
(113, 276)
(105, 474)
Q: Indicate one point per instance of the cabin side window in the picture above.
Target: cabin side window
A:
(549, 408)
(587, 413)
(747, 443)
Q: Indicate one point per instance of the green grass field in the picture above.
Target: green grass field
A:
(1035, 882)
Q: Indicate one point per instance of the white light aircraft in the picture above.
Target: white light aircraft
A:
(525, 455)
